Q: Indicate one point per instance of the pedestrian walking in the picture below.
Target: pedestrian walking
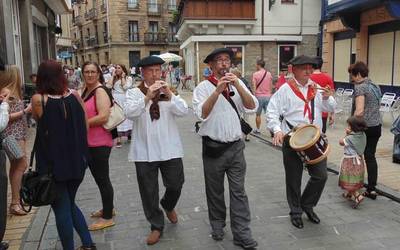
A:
(97, 106)
(4, 116)
(296, 103)
(366, 104)
(215, 102)
(323, 80)
(351, 177)
(262, 86)
(16, 130)
(60, 140)
(153, 108)
(119, 83)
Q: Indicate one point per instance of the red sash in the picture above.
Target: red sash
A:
(310, 96)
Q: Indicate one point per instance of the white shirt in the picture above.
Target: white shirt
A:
(4, 115)
(156, 140)
(222, 124)
(286, 103)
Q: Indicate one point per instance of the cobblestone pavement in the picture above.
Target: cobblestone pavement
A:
(374, 225)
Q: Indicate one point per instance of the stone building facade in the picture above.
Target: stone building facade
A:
(122, 31)
(273, 30)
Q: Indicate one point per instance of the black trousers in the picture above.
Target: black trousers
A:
(324, 122)
(293, 172)
(231, 163)
(100, 168)
(147, 177)
(373, 135)
(3, 194)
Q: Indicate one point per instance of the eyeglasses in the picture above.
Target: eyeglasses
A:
(90, 72)
(221, 61)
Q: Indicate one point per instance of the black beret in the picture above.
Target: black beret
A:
(215, 52)
(150, 60)
(301, 60)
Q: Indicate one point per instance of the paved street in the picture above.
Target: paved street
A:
(375, 225)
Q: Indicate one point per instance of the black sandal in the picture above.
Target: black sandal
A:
(370, 194)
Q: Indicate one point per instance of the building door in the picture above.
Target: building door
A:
(134, 58)
(286, 53)
(153, 30)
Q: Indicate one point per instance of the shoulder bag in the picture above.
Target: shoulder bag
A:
(37, 189)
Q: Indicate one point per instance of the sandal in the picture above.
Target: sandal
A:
(357, 199)
(99, 213)
(99, 225)
(16, 209)
(93, 247)
(370, 194)
(347, 196)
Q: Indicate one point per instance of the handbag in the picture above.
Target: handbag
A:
(246, 128)
(37, 189)
(12, 148)
(117, 115)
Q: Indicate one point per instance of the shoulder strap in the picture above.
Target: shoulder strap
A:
(262, 79)
(233, 105)
(94, 91)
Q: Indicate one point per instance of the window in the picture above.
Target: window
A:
(105, 33)
(287, 1)
(153, 31)
(342, 59)
(106, 58)
(237, 60)
(286, 53)
(380, 57)
(133, 4)
(134, 58)
(133, 31)
(171, 4)
(154, 52)
(171, 33)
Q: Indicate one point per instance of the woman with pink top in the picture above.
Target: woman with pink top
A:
(97, 105)
(262, 89)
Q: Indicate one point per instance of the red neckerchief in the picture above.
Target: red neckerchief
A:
(310, 96)
(214, 81)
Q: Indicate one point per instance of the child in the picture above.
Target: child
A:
(351, 177)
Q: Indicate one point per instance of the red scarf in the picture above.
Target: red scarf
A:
(310, 96)
(214, 81)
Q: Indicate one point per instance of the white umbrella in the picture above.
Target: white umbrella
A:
(170, 57)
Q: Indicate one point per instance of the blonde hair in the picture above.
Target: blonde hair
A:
(11, 78)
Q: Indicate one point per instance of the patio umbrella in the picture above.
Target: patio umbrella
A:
(170, 57)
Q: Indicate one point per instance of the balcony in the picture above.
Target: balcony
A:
(92, 41)
(134, 37)
(91, 14)
(78, 21)
(77, 44)
(78, 1)
(172, 38)
(155, 38)
(103, 8)
(153, 9)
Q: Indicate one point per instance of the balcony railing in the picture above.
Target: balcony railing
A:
(91, 14)
(172, 7)
(78, 20)
(172, 38)
(155, 38)
(134, 37)
(103, 8)
(92, 41)
(77, 44)
(78, 1)
(154, 9)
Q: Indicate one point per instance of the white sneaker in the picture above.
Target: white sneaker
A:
(256, 131)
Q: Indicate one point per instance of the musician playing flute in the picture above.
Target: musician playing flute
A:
(300, 101)
(213, 101)
(157, 146)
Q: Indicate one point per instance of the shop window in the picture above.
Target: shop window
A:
(380, 57)
(396, 74)
(342, 60)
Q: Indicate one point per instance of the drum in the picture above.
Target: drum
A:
(310, 144)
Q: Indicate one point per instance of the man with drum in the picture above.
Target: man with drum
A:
(298, 102)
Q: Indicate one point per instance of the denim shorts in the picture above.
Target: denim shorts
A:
(262, 104)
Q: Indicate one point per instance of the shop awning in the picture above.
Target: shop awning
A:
(349, 11)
